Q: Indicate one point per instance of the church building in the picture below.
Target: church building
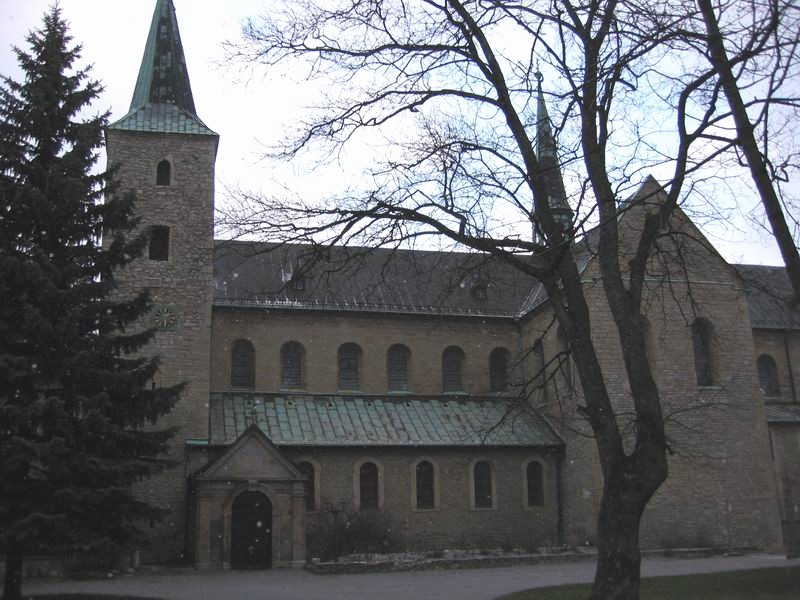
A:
(324, 384)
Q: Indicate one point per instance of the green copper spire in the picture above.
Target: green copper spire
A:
(163, 78)
(548, 161)
(162, 99)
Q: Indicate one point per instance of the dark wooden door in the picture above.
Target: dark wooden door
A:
(251, 532)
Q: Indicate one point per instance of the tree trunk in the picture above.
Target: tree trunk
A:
(619, 559)
(747, 142)
(12, 589)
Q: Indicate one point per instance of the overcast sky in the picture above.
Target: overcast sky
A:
(247, 110)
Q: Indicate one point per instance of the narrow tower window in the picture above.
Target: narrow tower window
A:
(164, 173)
(159, 243)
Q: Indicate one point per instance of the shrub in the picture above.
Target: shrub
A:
(334, 535)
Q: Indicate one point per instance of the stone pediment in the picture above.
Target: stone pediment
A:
(252, 457)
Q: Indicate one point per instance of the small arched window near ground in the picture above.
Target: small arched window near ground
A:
(498, 370)
(452, 362)
(701, 342)
(534, 484)
(482, 483)
(397, 368)
(292, 355)
(158, 248)
(243, 364)
(163, 173)
(349, 357)
(307, 469)
(368, 486)
(768, 375)
(425, 485)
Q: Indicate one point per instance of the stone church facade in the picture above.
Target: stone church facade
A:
(369, 381)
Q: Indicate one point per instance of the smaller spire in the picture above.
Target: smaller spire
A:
(545, 143)
(546, 153)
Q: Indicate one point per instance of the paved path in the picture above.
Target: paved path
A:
(285, 584)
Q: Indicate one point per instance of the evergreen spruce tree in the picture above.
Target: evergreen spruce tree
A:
(75, 399)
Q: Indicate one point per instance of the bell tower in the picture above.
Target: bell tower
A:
(165, 154)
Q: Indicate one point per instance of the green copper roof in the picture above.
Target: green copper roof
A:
(361, 420)
(162, 118)
(163, 78)
(162, 99)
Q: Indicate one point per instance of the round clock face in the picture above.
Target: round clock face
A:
(165, 317)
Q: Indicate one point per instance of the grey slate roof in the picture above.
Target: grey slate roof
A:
(769, 297)
(783, 413)
(361, 279)
(361, 420)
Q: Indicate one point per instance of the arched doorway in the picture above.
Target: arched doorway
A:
(251, 531)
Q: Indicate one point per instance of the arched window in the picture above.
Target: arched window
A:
(425, 486)
(307, 469)
(158, 248)
(292, 354)
(498, 370)
(397, 368)
(701, 341)
(349, 357)
(452, 361)
(243, 364)
(163, 173)
(368, 486)
(534, 484)
(768, 375)
(482, 484)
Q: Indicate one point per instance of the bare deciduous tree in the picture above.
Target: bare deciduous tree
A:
(770, 33)
(454, 88)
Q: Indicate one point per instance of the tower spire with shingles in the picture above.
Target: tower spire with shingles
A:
(162, 99)
(163, 78)
(547, 155)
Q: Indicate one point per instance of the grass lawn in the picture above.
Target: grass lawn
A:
(759, 584)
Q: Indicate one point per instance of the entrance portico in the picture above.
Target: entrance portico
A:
(252, 486)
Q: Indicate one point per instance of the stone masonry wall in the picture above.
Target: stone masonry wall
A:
(453, 523)
(182, 284)
(719, 490)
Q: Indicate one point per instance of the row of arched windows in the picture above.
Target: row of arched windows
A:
(368, 485)
(398, 359)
